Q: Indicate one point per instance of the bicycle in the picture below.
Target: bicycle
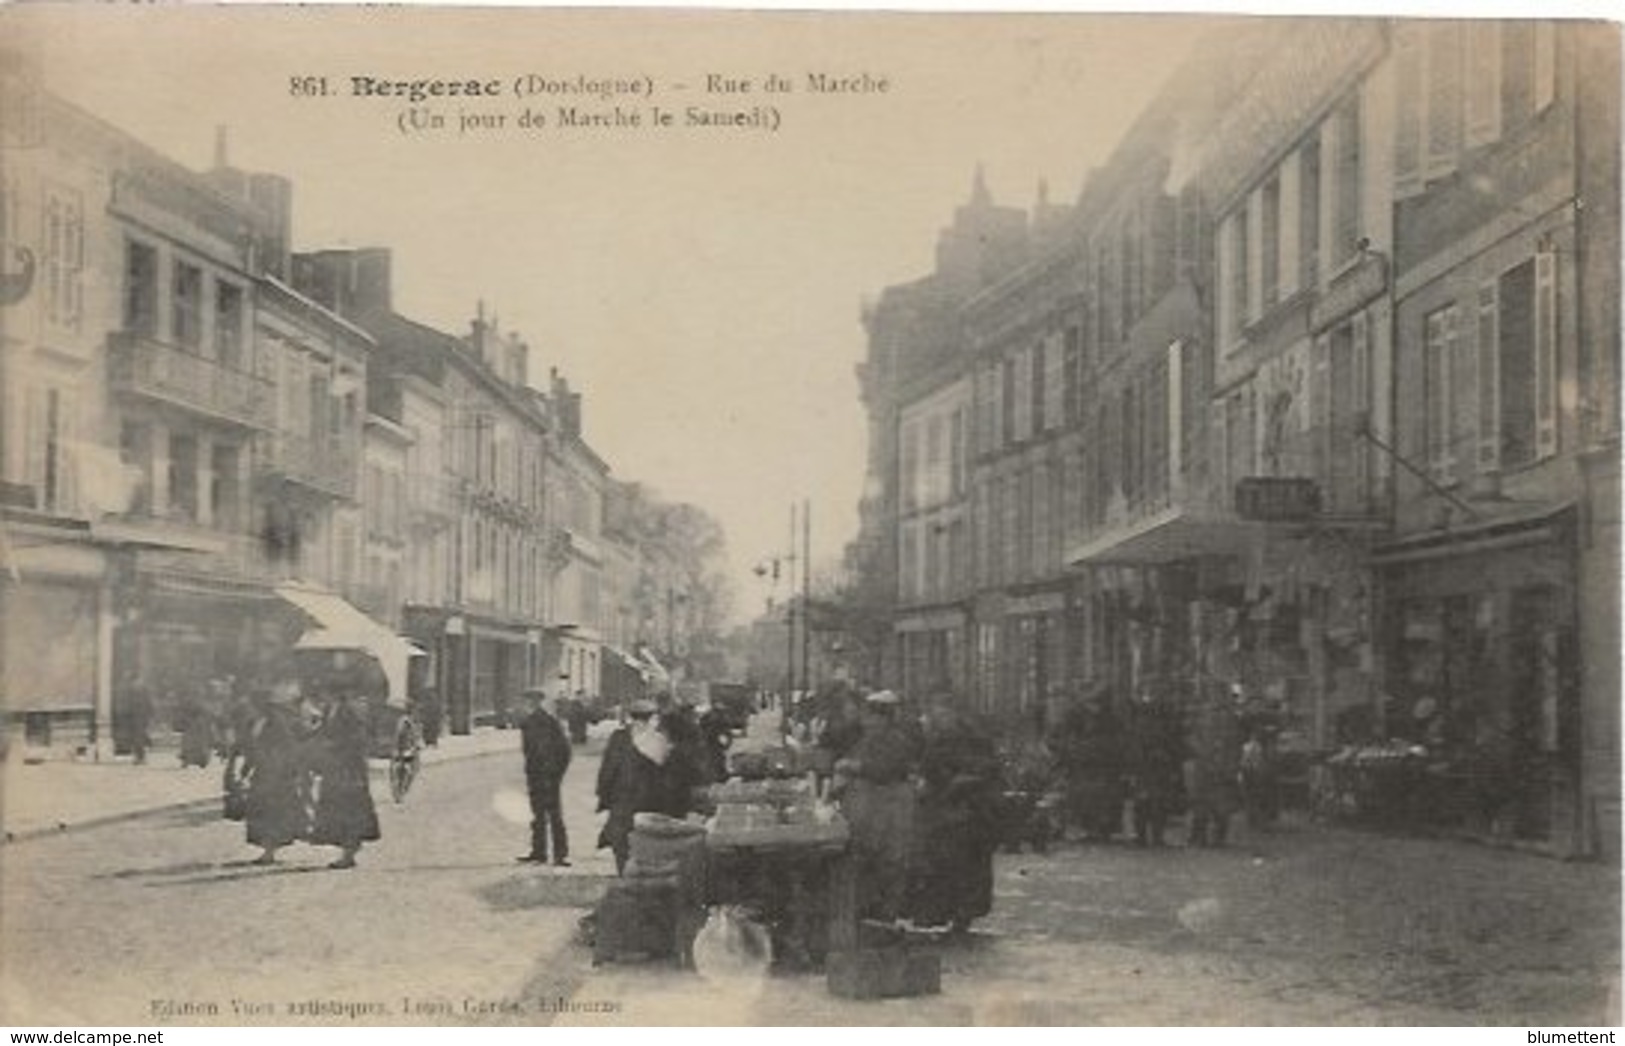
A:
(405, 758)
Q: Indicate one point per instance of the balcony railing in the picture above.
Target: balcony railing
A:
(325, 465)
(142, 366)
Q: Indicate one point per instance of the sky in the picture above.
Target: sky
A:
(702, 286)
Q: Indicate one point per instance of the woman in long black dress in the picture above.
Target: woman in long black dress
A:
(957, 826)
(345, 815)
(274, 769)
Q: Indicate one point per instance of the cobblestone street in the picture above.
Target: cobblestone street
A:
(1304, 926)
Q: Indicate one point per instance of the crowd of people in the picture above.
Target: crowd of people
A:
(1132, 769)
(929, 789)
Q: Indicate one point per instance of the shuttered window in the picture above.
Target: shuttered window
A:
(1055, 384)
(1439, 341)
(1546, 354)
(1489, 396)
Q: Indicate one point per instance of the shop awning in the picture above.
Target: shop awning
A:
(653, 670)
(340, 626)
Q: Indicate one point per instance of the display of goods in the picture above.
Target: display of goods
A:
(775, 835)
(663, 851)
(743, 817)
(651, 823)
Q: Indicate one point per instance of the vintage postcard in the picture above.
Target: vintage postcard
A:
(518, 516)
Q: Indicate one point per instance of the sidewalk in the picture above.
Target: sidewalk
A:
(59, 795)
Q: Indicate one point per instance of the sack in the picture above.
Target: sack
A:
(732, 945)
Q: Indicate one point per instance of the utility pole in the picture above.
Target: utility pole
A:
(790, 624)
(806, 594)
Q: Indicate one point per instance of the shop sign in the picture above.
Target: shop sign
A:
(1277, 499)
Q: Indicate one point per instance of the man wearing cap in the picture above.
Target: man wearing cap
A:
(547, 756)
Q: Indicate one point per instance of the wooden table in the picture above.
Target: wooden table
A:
(799, 876)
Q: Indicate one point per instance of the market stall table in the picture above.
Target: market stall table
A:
(796, 874)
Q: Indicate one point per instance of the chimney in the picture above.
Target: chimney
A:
(272, 196)
(518, 361)
(479, 331)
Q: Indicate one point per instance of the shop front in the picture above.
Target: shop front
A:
(476, 664)
(51, 655)
(931, 651)
(1481, 671)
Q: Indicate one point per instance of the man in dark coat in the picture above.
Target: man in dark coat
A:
(644, 770)
(547, 756)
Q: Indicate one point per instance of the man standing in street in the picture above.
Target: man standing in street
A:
(547, 756)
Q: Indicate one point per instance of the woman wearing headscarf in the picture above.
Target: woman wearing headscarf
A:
(879, 807)
(273, 769)
(345, 815)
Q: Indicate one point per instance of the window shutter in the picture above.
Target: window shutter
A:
(1545, 64)
(68, 444)
(1291, 207)
(1219, 467)
(1359, 422)
(1484, 82)
(1545, 354)
(1320, 405)
(1440, 333)
(1463, 404)
(1227, 281)
(1054, 382)
(1255, 256)
(1489, 390)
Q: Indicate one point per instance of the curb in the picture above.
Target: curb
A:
(11, 838)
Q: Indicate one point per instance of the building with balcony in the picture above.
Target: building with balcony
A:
(308, 494)
(576, 557)
(474, 528)
(1298, 178)
(59, 472)
(1499, 584)
(381, 587)
(150, 446)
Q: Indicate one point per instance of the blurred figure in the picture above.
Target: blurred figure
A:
(957, 821)
(578, 715)
(1155, 755)
(879, 807)
(138, 708)
(273, 769)
(1091, 747)
(195, 719)
(430, 712)
(1214, 768)
(345, 815)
